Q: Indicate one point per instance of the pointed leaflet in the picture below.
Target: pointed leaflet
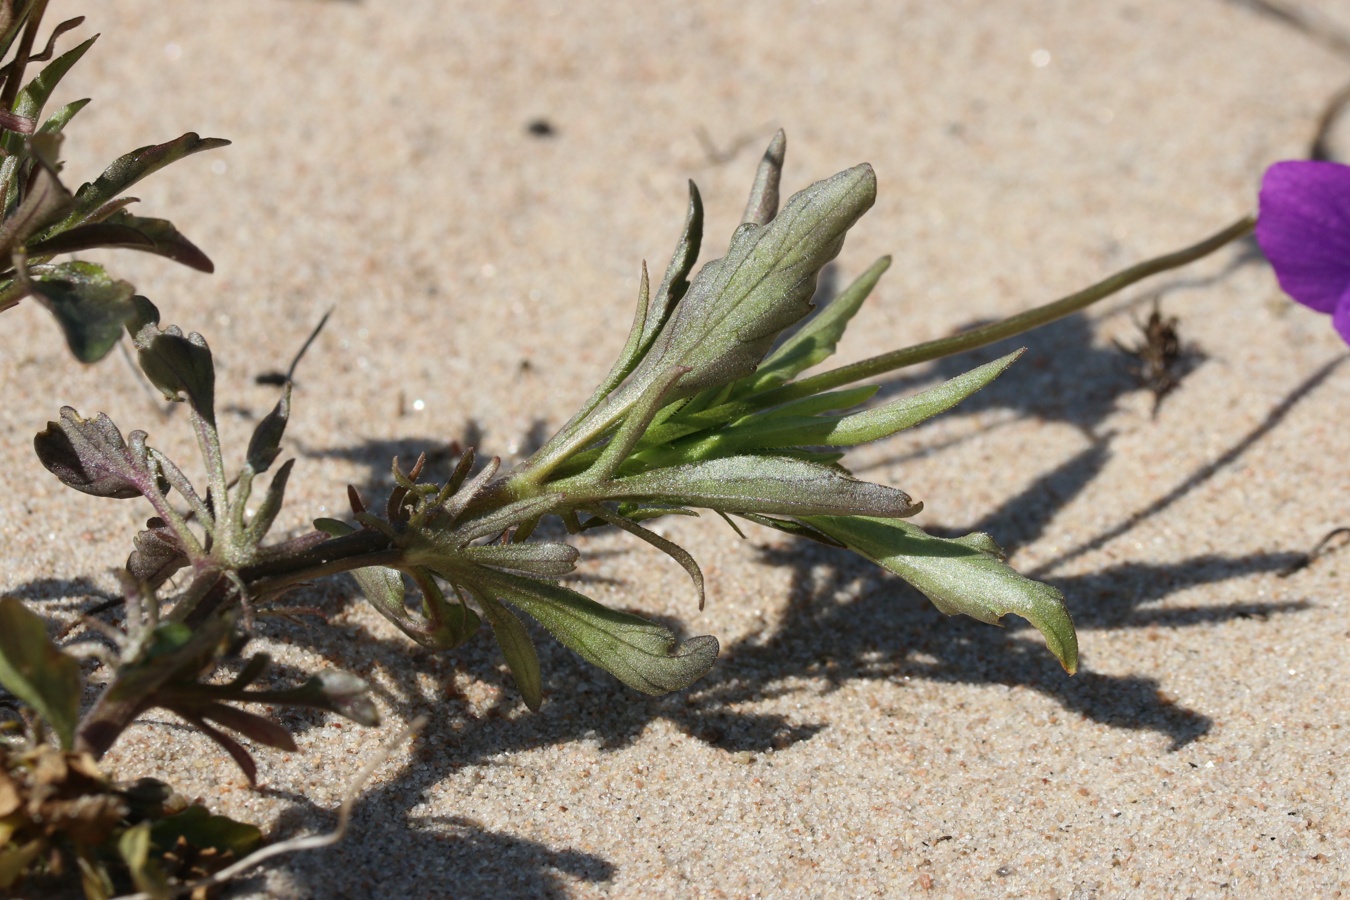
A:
(815, 341)
(641, 654)
(35, 94)
(763, 203)
(265, 444)
(518, 649)
(550, 559)
(59, 119)
(959, 576)
(670, 548)
(737, 305)
(35, 671)
(779, 428)
(131, 168)
(763, 484)
(44, 198)
(675, 283)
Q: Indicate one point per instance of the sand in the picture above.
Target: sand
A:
(851, 741)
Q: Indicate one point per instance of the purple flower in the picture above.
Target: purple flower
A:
(1304, 230)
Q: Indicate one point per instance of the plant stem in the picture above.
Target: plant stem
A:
(1006, 328)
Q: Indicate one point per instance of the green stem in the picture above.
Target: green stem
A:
(1009, 327)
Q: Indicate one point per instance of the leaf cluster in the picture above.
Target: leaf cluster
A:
(41, 219)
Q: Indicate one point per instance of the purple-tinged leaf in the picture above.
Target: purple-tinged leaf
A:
(1304, 230)
(331, 690)
(237, 751)
(18, 124)
(45, 199)
(158, 554)
(251, 725)
(122, 229)
(90, 456)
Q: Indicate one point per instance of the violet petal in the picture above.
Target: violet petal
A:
(1304, 230)
(1340, 319)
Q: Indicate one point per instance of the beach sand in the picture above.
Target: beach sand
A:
(851, 741)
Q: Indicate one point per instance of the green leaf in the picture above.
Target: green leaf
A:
(815, 341)
(134, 847)
(763, 484)
(518, 649)
(35, 94)
(58, 120)
(202, 830)
(736, 306)
(906, 412)
(550, 559)
(90, 306)
(959, 576)
(35, 671)
(130, 168)
(641, 654)
(790, 426)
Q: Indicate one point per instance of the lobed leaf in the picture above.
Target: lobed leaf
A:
(157, 555)
(35, 671)
(959, 576)
(90, 456)
(641, 654)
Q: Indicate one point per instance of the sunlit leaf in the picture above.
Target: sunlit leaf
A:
(816, 340)
(639, 653)
(764, 484)
(736, 306)
(959, 576)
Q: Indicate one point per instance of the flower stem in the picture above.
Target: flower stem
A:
(1006, 328)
